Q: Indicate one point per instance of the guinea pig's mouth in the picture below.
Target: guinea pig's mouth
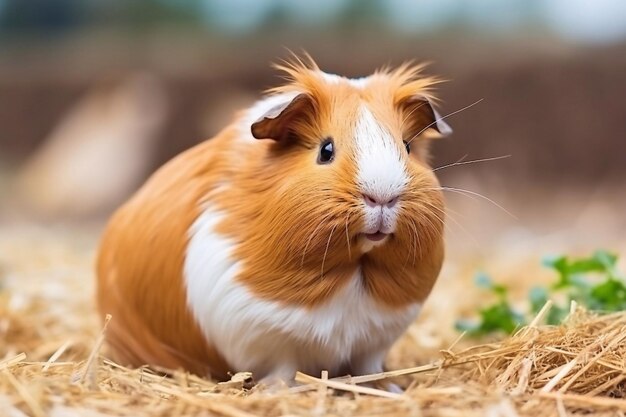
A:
(375, 237)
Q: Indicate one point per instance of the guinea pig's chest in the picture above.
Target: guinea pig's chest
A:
(253, 333)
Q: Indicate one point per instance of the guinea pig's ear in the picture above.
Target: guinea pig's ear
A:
(278, 121)
(423, 119)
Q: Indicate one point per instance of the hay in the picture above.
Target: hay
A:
(52, 361)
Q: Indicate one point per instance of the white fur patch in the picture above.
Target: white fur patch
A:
(274, 340)
(381, 173)
(381, 169)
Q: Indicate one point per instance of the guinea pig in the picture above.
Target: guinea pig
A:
(305, 236)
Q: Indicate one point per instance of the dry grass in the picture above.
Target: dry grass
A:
(51, 358)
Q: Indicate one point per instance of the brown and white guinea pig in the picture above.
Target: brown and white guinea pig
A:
(305, 236)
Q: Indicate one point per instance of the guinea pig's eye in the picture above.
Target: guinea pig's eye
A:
(407, 145)
(327, 152)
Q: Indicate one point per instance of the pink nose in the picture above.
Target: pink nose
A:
(377, 201)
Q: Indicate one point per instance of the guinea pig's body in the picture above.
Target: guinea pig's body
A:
(312, 249)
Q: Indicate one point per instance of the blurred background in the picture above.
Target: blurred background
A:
(95, 95)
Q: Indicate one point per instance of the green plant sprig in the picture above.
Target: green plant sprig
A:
(593, 282)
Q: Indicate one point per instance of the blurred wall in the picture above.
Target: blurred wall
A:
(557, 110)
(548, 73)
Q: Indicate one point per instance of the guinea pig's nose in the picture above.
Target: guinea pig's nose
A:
(375, 201)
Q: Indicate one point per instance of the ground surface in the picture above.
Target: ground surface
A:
(51, 362)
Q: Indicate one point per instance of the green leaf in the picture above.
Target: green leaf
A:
(500, 317)
(609, 260)
(570, 271)
(585, 265)
(593, 282)
(560, 265)
(606, 258)
(609, 296)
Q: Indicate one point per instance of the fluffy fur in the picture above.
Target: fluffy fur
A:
(246, 254)
(276, 340)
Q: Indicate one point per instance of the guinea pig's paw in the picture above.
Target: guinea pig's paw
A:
(274, 383)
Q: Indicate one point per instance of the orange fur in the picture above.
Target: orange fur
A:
(296, 223)
(140, 270)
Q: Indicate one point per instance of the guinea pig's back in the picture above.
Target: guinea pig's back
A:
(140, 269)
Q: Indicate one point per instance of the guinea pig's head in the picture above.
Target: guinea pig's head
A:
(342, 185)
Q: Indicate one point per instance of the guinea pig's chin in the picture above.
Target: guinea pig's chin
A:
(369, 241)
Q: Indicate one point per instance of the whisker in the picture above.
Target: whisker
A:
(411, 113)
(311, 237)
(348, 236)
(444, 117)
(449, 214)
(437, 216)
(431, 225)
(469, 193)
(418, 245)
(326, 251)
(461, 159)
(461, 162)
(413, 247)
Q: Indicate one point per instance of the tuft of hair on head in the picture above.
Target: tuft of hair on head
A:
(412, 91)
(405, 86)
(301, 74)
(295, 65)
(408, 80)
